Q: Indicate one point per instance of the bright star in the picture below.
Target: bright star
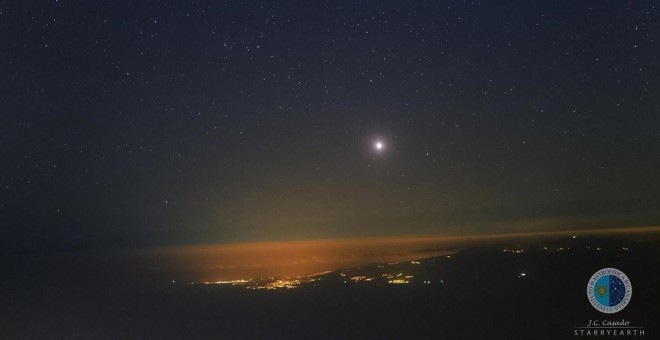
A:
(379, 146)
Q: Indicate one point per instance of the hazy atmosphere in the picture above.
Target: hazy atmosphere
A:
(169, 122)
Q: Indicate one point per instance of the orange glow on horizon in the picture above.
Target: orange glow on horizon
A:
(221, 262)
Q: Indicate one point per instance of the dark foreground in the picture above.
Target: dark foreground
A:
(487, 293)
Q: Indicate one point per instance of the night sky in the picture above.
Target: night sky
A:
(142, 123)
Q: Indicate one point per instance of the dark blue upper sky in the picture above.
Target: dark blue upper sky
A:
(149, 122)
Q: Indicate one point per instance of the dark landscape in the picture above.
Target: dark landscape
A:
(504, 291)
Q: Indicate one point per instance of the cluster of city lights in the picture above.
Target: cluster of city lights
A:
(514, 251)
(392, 273)
(270, 283)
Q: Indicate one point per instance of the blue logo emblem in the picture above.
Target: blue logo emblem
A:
(609, 290)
